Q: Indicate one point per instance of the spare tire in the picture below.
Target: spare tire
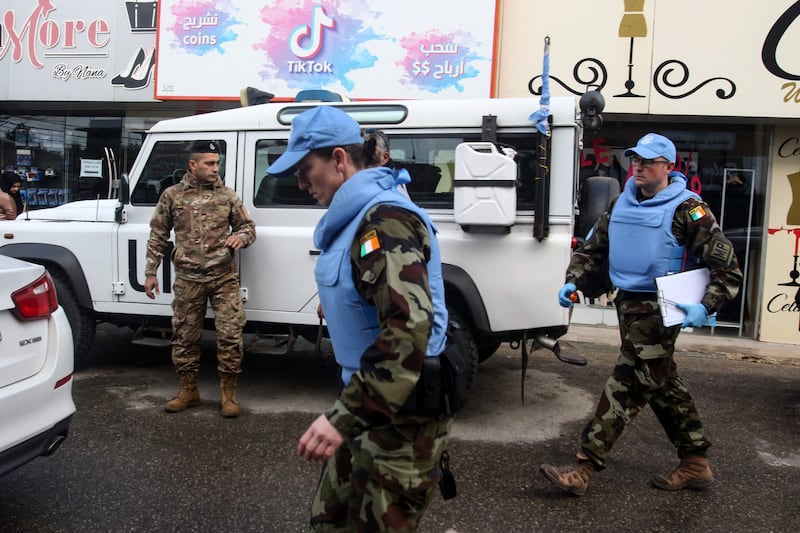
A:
(596, 195)
(458, 331)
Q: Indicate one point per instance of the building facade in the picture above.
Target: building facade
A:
(721, 80)
(80, 83)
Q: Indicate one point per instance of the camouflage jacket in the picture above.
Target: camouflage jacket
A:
(702, 238)
(203, 216)
(394, 278)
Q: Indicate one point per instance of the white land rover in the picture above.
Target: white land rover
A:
(505, 219)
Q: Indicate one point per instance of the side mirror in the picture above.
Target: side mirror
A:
(592, 104)
(124, 189)
(120, 216)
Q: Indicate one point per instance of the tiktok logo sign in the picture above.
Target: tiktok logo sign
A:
(309, 45)
(305, 42)
(313, 34)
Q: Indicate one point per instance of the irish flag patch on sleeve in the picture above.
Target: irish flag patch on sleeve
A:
(697, 213)
(369, 243)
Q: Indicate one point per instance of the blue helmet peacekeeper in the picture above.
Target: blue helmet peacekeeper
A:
(380, 284)
(647, 232)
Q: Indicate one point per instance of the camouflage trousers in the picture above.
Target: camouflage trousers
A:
(188, 313)
(645, 374)
(382, 479)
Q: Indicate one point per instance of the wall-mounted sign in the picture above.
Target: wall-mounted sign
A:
(91, 168)
(77, 51)
(676, 57)
(780, 312)
(24, 157)
(412, 49)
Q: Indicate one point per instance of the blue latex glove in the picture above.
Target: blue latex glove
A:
(564, 294)
(696, 315)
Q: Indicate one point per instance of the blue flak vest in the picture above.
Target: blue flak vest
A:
(353, 321)
(641, 243)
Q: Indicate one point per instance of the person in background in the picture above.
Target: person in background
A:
(210, 224)
(648, 231)
(380, 283)
(11, 203)
(384, 158)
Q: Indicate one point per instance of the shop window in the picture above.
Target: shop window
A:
(51, 153)
(727, 165)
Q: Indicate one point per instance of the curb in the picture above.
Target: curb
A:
(688, 341)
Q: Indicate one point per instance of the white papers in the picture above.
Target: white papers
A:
(682, 288)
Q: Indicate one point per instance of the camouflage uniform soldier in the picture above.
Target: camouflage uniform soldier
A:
(649, 231)
(380, 284)
(210, 222)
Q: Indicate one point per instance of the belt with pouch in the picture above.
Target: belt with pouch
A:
(442, 386)
(637, 296)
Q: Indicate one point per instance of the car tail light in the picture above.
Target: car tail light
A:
(37, 300)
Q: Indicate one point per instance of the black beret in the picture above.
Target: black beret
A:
(204, 147)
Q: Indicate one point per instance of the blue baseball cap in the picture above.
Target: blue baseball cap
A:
(653, 146)
(320, 127)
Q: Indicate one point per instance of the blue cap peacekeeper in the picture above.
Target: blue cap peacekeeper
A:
(380, 283)
(647, 232)
(210, 224)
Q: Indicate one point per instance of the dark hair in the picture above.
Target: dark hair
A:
(378, 137)
(8, 179)
(362, 155)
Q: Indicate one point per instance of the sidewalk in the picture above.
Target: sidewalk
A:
(727, 346)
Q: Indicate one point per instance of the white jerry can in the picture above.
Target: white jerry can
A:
(485, 186)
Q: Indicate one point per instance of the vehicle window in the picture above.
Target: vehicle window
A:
(526, 159)
(270, 191)
(165, 166)
(429, 159)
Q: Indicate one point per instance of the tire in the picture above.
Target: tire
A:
(486, 348)
(458, 330)
(81, 320)
(597, 193)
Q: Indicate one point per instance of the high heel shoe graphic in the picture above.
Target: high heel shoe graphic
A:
(137, 73)
(140, 77)
(135, 62)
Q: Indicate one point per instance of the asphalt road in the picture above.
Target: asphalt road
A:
(128, 466)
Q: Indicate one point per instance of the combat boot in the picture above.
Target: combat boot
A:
(572, 478)
(227, 393)
(693, 472)
(188, 395)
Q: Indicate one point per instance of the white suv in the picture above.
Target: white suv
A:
(36, 364)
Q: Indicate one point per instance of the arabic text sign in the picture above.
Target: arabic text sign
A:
(360, 48)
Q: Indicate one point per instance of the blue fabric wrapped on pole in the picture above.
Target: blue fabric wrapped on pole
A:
(540, 116)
